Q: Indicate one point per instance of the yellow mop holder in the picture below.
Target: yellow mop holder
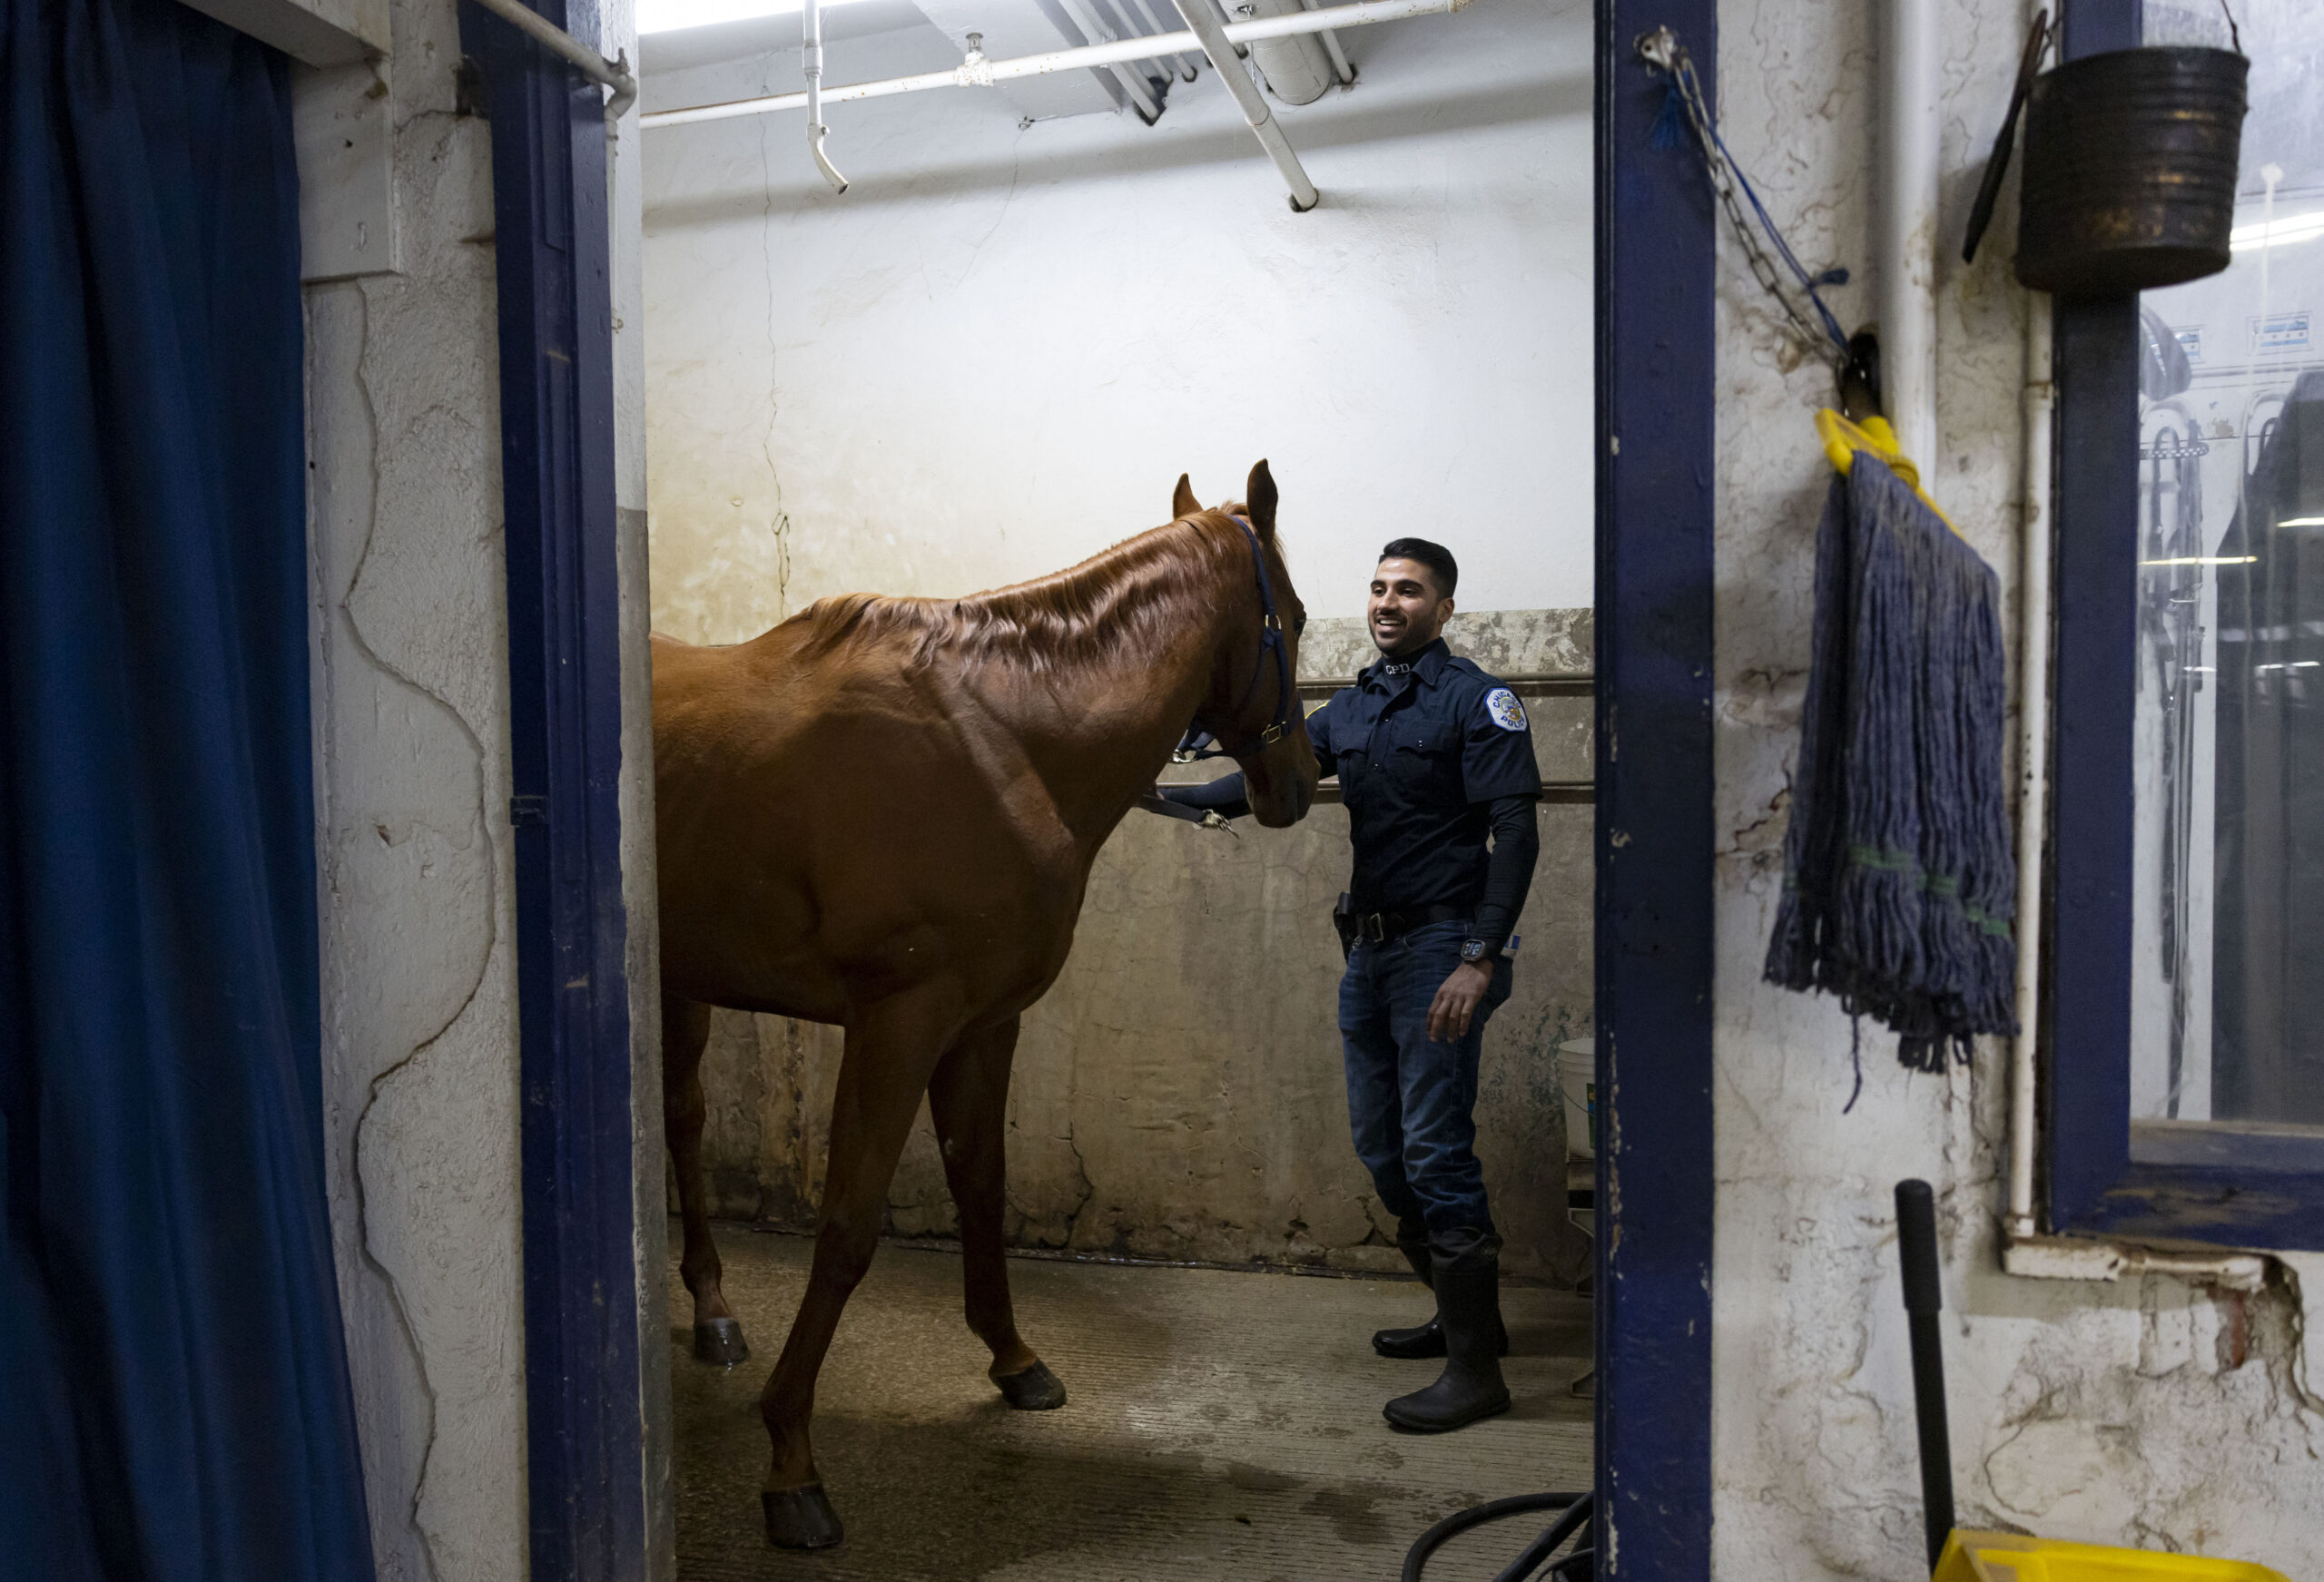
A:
(1842, 440)
(1975, 1557)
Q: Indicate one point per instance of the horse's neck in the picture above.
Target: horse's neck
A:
(1096, 735)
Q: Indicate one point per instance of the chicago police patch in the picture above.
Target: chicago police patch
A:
(1506, 712)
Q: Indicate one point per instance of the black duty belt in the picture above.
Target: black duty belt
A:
(1380, 928)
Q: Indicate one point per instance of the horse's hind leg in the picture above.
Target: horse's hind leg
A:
(969, 1099)
(685, 1030)
(890, 1056)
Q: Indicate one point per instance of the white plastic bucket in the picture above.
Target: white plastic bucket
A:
(1578, 1081)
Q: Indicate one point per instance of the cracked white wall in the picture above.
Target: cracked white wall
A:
(2151, 1413)
(411, 709)
(994, 356)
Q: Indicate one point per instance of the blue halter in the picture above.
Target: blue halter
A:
(1197, 743)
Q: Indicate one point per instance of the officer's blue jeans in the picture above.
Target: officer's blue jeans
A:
(1408, 1098)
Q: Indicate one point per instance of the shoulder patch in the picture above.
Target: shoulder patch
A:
(1503, 707)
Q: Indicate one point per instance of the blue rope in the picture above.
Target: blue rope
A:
(1667, 133)
(1808, 282)
(1669, 122)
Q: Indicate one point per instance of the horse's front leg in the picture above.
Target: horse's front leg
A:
(685, 1030)
(890, 1056)
(968, 1100)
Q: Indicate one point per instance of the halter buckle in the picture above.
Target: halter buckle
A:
(1271, 735)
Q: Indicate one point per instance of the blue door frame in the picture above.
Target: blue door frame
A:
(1655, 356)
(1657, 353)
(584, 1416)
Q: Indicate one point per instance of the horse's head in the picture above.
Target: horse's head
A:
(1253, 706)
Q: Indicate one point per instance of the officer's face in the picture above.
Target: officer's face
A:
(1405, 611)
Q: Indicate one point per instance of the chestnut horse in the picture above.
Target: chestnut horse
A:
(882, 814)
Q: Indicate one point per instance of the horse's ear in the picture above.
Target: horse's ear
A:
(1182, 502)
(1259, 500)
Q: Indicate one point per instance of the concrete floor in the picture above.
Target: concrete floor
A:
(1220, 1425)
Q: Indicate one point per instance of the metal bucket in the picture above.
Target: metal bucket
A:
(2130, 171)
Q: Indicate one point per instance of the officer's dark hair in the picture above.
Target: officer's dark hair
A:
(1442, 566)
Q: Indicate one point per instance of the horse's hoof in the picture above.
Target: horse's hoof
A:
(1034, 1390)
(720, 1341)
(800, 1519)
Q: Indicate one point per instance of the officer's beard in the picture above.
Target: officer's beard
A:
(1406, 640)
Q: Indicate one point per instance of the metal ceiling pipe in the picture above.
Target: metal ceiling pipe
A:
(1141, 96)
(1201, 17)
(1135, 24)
(1342, 67)
(1296, 68)
(984, 73)
(812, 21)
(613, 74)
(1182, 64)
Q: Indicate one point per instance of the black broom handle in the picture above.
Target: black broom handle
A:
(1923, 1299)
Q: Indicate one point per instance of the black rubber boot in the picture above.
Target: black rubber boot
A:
(1425, 1340)
(1468, 1308)
(1422, 1339)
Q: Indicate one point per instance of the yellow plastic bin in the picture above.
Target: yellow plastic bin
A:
(1975, 1557)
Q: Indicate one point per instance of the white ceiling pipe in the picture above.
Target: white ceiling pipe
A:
(1910, 126)
(1341, 67)
(1141, 96)
(613, 74)
(1136, 25)
(985, 74)
(1295, 69)
(1183, 65)
(1202, 15)
(812, 24)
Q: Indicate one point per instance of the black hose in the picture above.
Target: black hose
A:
(1575, 1519)
(1575, 1509)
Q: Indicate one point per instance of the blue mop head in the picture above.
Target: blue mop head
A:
(1899, 886)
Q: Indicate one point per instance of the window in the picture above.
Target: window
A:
(2191, 632)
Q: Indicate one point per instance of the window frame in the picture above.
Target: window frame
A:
(2246, 1186)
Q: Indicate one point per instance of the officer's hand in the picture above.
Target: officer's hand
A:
(1456, 1001)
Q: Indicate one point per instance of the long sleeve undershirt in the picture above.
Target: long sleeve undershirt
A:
(1509, 867)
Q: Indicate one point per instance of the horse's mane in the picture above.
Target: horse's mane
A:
(1134, 594)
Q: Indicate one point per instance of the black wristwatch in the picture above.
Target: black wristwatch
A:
(1478, 951)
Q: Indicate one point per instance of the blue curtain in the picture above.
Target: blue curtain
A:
(173, 1390)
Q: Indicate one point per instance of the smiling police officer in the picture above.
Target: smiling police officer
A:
(1436, 769)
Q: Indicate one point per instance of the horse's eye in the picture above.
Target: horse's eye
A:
(1299, 623)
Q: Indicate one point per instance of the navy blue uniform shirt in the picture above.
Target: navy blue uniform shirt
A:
(1420, 748)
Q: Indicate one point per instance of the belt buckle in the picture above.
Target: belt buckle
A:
(1373, 926)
